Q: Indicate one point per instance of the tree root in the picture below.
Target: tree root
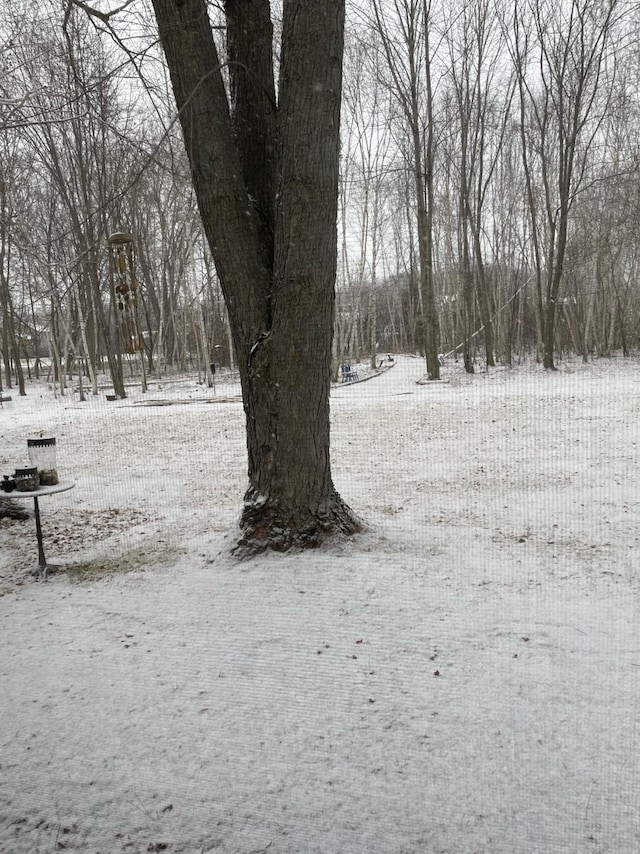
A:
(268, 527)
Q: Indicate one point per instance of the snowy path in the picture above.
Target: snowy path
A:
(462, 679)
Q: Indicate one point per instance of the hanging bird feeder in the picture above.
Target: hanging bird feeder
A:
(126, 288)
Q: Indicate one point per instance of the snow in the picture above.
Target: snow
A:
(464, 677)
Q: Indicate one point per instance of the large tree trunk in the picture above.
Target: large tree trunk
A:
(265, 178)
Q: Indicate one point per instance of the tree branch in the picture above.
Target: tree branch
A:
(93, 12)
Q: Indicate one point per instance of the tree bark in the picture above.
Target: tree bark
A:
(268, 206)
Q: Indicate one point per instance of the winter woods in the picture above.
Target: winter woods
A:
(476, 196)
(488, 188)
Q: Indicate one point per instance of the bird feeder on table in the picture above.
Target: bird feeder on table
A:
(126, 288)
(42, 453)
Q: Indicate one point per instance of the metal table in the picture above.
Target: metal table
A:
(43, 567)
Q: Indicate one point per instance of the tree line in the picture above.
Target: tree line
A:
(489, 189)
(490, 179)
(83, 154)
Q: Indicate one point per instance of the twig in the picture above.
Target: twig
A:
(141, 807)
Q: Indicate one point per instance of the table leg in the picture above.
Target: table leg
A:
(42, 562)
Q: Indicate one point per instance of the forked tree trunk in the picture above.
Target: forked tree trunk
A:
(265, 178)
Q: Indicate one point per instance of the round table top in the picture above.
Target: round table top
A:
(63, 486)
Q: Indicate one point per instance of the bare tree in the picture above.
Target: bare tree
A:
(11, 349)
(561, 54)
(68, 128)
(265, 174)
(404, 28)
(481, 93)
(366, 160)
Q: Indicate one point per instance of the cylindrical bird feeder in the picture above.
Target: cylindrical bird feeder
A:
(42, 454)
(126, 287)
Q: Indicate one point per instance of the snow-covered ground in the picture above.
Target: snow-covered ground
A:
(464, 677)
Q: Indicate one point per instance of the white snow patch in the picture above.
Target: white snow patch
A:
(462, 678)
